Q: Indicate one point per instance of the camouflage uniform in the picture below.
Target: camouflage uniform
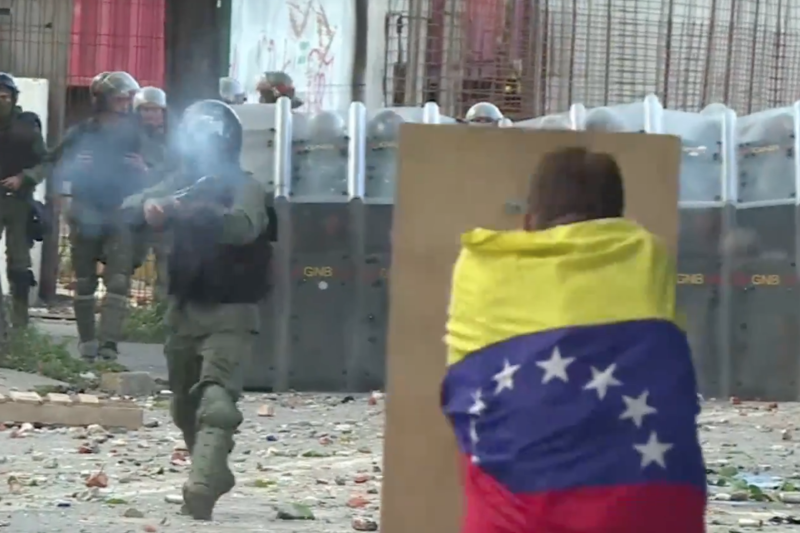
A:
(23, 150)
(215, 285)
(156, 153)
(95, 159)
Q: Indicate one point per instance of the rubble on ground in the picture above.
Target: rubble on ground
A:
(313, 463)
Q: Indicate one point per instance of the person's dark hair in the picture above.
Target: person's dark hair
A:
(574, 185)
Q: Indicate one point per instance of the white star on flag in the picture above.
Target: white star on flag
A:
(505, 378)
(601, 381)
(473, 431)
(636, 409)
(555, 367)
(478, 407)
(653, 451)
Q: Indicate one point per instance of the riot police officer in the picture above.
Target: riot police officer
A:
(101, 160)
(483, 113)
(273, 85)
(150, 105)
(21, 150)
(217, 276)
(231, 91)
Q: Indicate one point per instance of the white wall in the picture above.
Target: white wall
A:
(376, 53)
(32, 97)
(311, 40)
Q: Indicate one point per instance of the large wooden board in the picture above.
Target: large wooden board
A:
(452, 179)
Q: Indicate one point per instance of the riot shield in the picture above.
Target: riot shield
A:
(764, 311)
(320, 262)
(258, 158)
(704, 291)
(442, 191)
(373, 235)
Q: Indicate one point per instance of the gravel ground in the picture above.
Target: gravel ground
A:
(315, 453)
(321, 454)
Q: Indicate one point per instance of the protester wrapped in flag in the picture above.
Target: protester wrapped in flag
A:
(570, 386)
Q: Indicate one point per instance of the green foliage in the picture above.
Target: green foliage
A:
(35, 352)
(146, 324)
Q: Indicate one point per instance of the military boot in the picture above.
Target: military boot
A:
(183, 409)
(21, 282)
(210, 476)
(88, 350)
(108, 351)
(84, 320)
(19, 312)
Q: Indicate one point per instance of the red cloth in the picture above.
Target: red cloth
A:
(643, 508)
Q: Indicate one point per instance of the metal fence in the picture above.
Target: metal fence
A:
(68, 42)
(534, 57)
(325, 325)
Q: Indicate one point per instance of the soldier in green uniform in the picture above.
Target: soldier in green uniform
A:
(21, 150)
(218, 273)
(273, 85)
(98, 164)
(150, 105)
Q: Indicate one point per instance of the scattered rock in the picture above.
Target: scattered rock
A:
(295, 511)
(364, 524)
(132, 384)
(357, 502)
(132, 512)
(265, 410)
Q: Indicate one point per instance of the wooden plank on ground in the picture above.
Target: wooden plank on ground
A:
(63, 409)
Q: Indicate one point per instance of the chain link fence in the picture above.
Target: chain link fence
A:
(535, 57)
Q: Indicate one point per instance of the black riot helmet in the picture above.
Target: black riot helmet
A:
(96, 81)
(210, 133)
(106, 86)
(8, 82)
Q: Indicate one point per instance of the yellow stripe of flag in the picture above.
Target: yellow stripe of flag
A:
(512, 283)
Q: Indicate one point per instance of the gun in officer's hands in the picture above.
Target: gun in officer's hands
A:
(202, 198)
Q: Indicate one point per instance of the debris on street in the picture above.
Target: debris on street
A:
(314, 464)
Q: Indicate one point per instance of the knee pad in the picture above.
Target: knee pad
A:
(218, 409)
(85, 286)
(118, 284)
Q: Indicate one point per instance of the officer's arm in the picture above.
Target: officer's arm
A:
(246, 219)
(49, 160)
(166, 187)
(37, 173)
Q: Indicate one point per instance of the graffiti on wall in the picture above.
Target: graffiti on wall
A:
(311, 40)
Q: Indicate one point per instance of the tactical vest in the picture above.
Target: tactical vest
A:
(109, 179)
(17, 148)
(203, 271)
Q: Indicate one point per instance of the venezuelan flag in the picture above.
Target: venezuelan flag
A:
(570, 386)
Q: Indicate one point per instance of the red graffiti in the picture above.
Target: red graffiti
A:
(319, 59)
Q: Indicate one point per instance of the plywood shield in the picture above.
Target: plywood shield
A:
(452, 179)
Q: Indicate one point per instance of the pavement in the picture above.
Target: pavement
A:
(319, 456)
(136, 357)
